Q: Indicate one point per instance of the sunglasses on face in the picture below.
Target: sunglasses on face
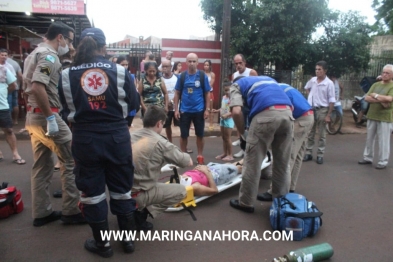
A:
(69, 39)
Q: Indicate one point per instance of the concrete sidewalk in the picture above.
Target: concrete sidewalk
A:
(348, 127)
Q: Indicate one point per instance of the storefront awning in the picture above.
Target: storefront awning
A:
(19, 31)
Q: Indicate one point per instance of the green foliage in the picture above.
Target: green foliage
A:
(384, 9)
(269, 30)
(280, 32)
(344, 44)
(213, 13)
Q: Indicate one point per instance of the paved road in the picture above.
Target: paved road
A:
(356, 201)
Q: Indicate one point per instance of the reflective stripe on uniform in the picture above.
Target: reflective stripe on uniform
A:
(68, 94)
(260, 83)
(121, 76)
(93, 200)
(288, 88)
(120, 196)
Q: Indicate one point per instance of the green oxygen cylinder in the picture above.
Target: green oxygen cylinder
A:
(308, 254)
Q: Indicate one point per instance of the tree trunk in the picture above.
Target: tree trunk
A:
(217, 36)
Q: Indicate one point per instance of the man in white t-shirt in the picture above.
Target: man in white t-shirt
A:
(8, 84)
(13, 97)
(170, 80)
(168, 57)
(240, 64)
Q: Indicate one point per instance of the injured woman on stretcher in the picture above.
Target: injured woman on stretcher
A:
(204, 179)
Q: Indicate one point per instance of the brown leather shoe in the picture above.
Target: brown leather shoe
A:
(235, 204)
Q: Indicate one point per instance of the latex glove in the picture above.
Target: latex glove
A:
(51, 126)
(243, 139)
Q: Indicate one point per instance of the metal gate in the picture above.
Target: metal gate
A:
(135, 53)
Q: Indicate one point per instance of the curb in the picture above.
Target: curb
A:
(347, 128)
(214, 133)
(26, 136)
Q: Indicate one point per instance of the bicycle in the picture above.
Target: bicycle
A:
(336, 122)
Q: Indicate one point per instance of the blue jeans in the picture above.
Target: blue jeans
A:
(339, 109)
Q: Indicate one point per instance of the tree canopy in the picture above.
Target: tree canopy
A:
(344, 44)
(280, 32)
(384, 9)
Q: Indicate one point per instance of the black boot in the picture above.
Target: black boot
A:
(127, 223)
(140, 220)
(97, 245)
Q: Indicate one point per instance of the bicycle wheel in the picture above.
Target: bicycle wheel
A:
(336, 122)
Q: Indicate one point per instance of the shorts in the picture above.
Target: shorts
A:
(13, 99)
(246, 112)
(227, 123)
(169, 117)
(363, 105)
(5, 119)
(185, 123)
(222, 173)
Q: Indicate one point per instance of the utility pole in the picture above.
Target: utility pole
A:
(226, 34)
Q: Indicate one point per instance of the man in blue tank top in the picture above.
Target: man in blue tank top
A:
(271, 125)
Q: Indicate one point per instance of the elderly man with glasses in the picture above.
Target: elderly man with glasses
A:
(379, 119)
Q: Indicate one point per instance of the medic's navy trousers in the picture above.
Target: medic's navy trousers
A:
(103, 158)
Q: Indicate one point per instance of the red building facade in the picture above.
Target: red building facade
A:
(205, 50)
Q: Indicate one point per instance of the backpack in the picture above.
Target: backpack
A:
(10, 200)
(367, 82)
(182, 79)
(293, 212)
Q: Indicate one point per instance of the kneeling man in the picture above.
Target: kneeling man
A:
(151, 151)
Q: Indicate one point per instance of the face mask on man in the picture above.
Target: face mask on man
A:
(62, 50)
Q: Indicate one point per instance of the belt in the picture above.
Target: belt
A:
(278, 107)
(135, 194)
(319, 107)
(37, 110)
(308, 113)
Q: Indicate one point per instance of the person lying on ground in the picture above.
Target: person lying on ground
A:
(204, 179)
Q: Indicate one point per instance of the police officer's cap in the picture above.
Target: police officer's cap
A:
(96, 34)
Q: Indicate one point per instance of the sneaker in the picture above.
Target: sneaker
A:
(200, 160)
(379, 166)
(239, 154)
(55, 215)
(236, 143)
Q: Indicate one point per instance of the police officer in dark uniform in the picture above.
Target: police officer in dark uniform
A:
(97, 96)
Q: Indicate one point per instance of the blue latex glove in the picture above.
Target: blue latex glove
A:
(51, 126)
